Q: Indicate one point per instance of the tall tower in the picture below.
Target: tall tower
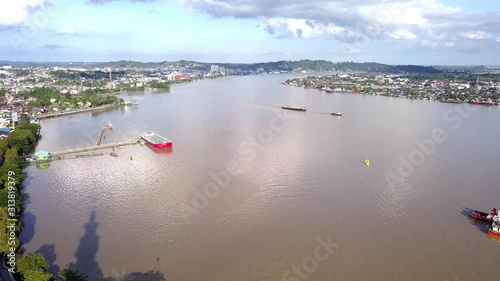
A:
(478, 88)
(111, 86)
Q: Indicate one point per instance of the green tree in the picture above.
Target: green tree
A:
(4, 235)
(21, 139)
(70, 275)
(4, 176)
(33, 267)
(24, 125)
(12, 156)
(3, 149)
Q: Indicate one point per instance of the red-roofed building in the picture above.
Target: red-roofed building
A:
(180, 77)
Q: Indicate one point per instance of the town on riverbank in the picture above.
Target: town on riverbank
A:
(472, 88)
(42, 90)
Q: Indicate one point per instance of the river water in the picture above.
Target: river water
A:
(250, 191)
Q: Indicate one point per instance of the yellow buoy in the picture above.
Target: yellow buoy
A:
(367, 162)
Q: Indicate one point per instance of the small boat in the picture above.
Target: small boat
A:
(494, 229)
(133, 102)
(294, 108)
(480, 216)
(113, 154)
(337, 113)
(452, 101)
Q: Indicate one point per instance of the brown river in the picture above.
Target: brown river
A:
(252, 192)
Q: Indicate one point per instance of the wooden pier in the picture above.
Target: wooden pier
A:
(80, 152)
(63, 113)
(56, 154)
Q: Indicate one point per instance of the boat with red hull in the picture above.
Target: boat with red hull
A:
(494, 230)
(480, 216)
(156, 140)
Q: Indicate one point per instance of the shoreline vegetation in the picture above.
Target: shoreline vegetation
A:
(43, 102)
(446, 88)
(12, 159)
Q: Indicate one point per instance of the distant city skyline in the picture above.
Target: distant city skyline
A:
(424, 32)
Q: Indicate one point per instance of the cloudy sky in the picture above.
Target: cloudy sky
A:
(426, 32)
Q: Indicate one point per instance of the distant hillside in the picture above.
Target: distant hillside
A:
(322, 65)
(310, 65)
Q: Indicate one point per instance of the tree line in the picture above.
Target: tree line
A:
(13, 148)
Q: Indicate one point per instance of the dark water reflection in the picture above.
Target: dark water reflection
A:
(114, 217)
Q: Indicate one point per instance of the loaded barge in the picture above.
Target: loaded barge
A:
(294, 108)
(478, 215)
(156, 140)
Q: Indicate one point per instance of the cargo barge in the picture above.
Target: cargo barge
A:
(478, 215)
(156, 140)
(294, 108)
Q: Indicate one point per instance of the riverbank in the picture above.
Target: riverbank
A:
(16, 264)
(64, 113)
(452, 89)
(17, 143)
(154, 87)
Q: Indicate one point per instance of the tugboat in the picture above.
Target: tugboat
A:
(337, 113)
(294, 108)
(495, 228)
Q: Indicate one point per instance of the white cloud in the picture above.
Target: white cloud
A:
(429, 22)
(402, 34)
(477, 35)
(65, 31)
(14, 12)
(295, 27)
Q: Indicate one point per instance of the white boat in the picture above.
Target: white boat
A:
(337, 113)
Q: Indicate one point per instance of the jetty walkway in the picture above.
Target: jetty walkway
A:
(56, 154)
(63, 113)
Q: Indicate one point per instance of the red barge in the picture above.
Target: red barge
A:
(156, 140)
